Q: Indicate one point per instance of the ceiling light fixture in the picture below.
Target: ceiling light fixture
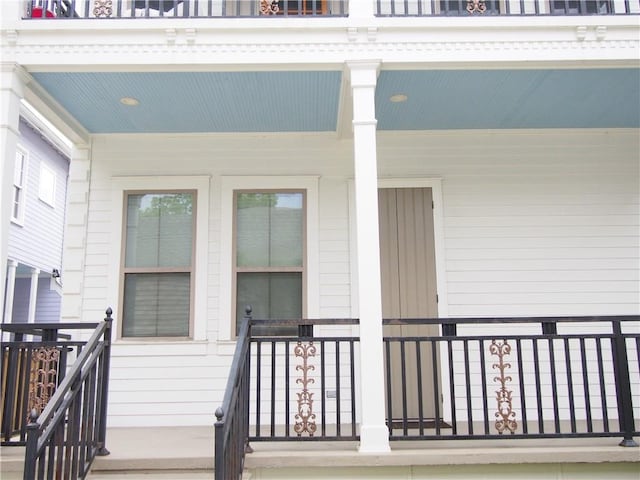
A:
(129, 101)
(398, 98)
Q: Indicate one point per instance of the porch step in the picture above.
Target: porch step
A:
(11, 463)
(152, 475)
(156, 452)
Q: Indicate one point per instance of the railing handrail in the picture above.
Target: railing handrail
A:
(42, 427)
(33, 327)
(304, 321)
(241, 345)
(225, 414)
(42, 329)
(502, 320)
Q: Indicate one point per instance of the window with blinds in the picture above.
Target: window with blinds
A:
(269, 251)
(19, 183)
(158, 264)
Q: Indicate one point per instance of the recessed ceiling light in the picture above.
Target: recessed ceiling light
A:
(129, 101)
(398, 98)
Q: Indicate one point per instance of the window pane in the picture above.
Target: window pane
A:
(47, 190)
(269, 229)
(271, 296)
(159, 230)
(156, 305)
(18, 174)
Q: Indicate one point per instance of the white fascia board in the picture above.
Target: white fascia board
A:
(62, 120)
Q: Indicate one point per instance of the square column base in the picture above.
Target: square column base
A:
(374, 439)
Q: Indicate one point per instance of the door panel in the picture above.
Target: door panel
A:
(407, 258)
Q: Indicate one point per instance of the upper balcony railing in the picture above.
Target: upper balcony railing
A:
(462, 8)
(134, 9)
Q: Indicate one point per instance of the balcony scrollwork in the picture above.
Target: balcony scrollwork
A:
(103, 8)
(476, 6)
(269, 7)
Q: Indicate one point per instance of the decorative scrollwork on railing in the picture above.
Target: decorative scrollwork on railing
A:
(43, 377)
(103, 8)
(505, 414)
(269, 7)
(476, 6)
(305, 418)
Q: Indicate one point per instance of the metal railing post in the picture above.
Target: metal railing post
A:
(623, 387)
(218, 453)
(104, 387)
(31, 449)
(246, 394)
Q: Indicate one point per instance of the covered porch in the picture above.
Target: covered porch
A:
(525, 161)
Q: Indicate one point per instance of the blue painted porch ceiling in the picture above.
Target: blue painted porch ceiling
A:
(307, 101)
(198, 101)
(495, 99)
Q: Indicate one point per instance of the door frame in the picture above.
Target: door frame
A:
(435, 183)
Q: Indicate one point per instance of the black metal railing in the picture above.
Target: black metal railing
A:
(286, 388)
(466, 8)
(63, 439)
(67, 9)
(34, 362)
(517, 377)
(303, 387)
(232, 425)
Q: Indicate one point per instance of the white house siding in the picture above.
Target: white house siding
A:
(38, 241)
(540, 223)
(535, 223)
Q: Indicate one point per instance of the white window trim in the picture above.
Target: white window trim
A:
(19, 220)
(228, 185)
(438, 233)
(45, 168)
(200, 300)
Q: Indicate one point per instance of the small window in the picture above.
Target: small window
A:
(47, 189)
(304, 7)
(158, 264)
(269, 256)
(581, 7)
(19, 184)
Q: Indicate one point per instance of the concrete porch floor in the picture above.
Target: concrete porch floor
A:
(184, 453)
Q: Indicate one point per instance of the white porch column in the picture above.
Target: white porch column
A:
(11, 285)
(33, 295)
(11, 92)
(361, 9)
(374, 435)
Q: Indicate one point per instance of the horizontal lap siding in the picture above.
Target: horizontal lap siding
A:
(38, 241)
(184, 384)
(534, 224)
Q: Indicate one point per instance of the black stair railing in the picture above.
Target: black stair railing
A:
(64, 439)
(232, 425)
(551, 377)
(286, 384)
